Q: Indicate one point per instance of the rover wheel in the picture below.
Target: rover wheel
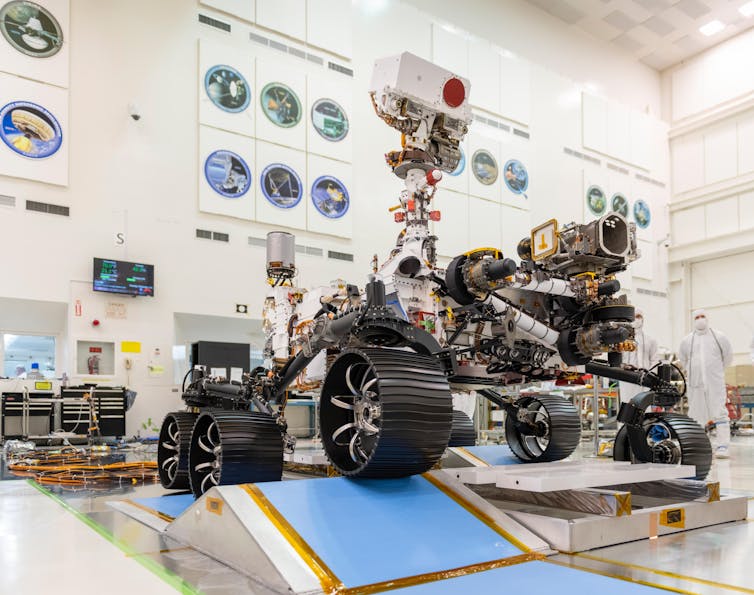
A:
(462, 432)
(173, 450)
(385, 413)
(673, 438)
(542, 428)
(232, 447)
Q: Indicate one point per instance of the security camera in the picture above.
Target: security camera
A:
(133, 111)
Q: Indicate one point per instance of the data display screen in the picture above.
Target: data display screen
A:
(118, 276)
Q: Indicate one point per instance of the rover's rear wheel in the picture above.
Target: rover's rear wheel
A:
(173, 450)
(385, 413)
(673, 439)
(232, 447)
(462, 432)
(542, 428)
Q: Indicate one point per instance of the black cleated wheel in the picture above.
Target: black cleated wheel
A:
(673, 438)
(542, 428)
(232, 447)
(385, 413)
(173, 449)
(462, 433)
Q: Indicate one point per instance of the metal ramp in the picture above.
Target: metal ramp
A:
(421, 535)
(331, 535)
(581, 505)
(455, 530)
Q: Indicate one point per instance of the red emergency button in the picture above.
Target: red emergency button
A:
(453, 92)
(434, 215)
(399, 216)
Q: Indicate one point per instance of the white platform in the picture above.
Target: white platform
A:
(569, 475)
(307, 456)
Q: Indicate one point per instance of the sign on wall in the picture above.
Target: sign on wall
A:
(34, 40)
(33, 130)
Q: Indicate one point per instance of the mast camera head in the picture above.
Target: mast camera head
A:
(428, 104)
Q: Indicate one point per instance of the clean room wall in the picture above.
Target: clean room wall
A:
(525, 30)
(139, 178)
(709, 101)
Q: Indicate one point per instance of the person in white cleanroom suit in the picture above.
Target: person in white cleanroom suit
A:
(645, 357)
(705, 353)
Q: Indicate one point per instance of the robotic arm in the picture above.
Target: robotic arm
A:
(572, 269)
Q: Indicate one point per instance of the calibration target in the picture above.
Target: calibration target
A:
(281, 105)
(227, 174)
(461, 164)
(330, 197)
(329, 120)
(619, 204)
(227, 88)
(642, 214)
(515, 176)
(484, 166)
(31, 29)
(30, 130)
(281, 185)
(596, 200)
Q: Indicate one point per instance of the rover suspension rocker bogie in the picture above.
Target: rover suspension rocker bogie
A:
(384, 360)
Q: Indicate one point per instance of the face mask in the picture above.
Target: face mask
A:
(638, 323)
(700, 324)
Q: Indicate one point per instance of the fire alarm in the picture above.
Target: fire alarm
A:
(95, 322)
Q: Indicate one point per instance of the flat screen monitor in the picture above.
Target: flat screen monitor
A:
(119, 276)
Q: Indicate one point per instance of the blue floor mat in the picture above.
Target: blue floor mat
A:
(370, 531)
(172, 505)
(494, 454)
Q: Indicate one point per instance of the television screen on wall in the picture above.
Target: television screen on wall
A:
(119, 276)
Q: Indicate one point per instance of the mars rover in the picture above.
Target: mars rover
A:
(386, 359)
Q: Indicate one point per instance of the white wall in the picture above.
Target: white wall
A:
(528, 31)
(140, 177)
(709, 101)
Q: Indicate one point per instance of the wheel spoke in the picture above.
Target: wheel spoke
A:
(353, 450)
(369, 428)
(171, 469)
(210, 437)
(201, 444)
(201, 466)
(533, 445)
(166, 462)
(210, 477)
(365, 386)
(169, 446)
(342, 404)
(340, 430)
(173, 432)
(349, 383)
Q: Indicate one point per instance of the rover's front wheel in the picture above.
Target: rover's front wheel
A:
(385, 413)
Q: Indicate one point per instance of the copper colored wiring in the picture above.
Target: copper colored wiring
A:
(72, 467)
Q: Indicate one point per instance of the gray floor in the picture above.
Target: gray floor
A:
(49, 547)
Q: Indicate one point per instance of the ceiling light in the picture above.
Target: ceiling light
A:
(711, 28)
(747, 9)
